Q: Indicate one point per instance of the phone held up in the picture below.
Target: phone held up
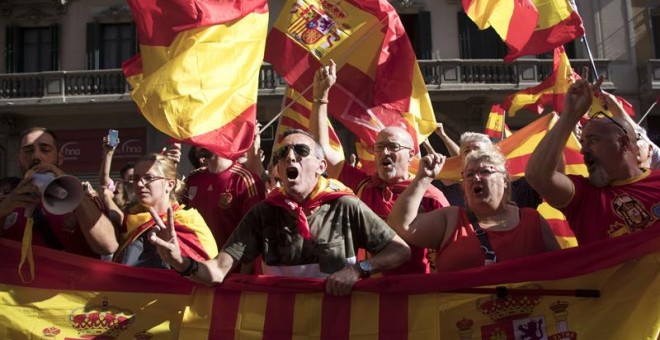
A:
(113, 138)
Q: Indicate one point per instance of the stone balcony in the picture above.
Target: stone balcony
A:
(449, 76)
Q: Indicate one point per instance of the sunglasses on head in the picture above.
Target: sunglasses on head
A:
(302, 150)
(603, 114)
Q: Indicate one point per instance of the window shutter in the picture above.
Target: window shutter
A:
(93, 45)
(12, 48)
(54, 47)
(424, 47)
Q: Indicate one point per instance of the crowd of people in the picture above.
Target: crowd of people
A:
(311, 214)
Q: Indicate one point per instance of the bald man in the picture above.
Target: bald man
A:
(619, 197)
(394, 150)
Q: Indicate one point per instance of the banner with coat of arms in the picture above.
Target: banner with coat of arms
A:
(604, 290)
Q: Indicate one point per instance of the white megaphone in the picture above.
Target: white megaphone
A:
(59, 195)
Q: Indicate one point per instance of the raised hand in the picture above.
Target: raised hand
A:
(579, 96)
(164, 238)
(26, 195)
(325, 77)
(431, 165)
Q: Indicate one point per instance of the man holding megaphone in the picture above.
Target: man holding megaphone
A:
(63, 217)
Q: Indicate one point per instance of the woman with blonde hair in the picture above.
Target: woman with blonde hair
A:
(157, 189)
(490, 229)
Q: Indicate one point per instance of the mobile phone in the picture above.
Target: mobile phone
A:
(113, 138)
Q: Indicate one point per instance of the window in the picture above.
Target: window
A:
(655, 23)
(108, 45)
(418, 29)
(31, 49)
(477, 44)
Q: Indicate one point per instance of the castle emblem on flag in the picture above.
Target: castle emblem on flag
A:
(315, 26)
(514, 320)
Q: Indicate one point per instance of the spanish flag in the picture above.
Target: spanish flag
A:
(558, 24)
(196, 78)
(565, 294)
(296, 116)
(379, 83)
(550, 92)
(514, 21)
(495, 127)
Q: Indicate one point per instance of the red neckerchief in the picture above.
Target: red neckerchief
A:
(397, 188)
(324, 191)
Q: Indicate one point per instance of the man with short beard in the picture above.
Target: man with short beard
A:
(85, 231)
(618, 197)
(394, 150)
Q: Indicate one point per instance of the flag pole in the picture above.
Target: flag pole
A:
(586, 43)
(503, 125)
(647, 112)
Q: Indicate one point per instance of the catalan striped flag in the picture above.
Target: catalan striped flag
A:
(496, 129)
(514, 21)
(196, 78)
(564, 294)
(379, 83)
(558, 23)
(296, 116)
(550, 92)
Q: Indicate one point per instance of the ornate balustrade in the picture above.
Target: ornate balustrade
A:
(439, 75)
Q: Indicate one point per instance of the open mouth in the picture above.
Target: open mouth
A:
(589, 162)
(386, 163)
(478, 190)
(291, 173)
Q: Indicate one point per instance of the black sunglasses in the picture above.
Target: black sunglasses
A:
(601, 113)
(302, 150)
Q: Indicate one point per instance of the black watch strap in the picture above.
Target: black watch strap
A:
(192, 268)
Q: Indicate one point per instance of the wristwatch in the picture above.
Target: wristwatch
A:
(364, 268)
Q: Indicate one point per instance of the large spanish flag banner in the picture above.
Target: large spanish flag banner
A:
(296, 116)
(514, 21)
(196, 78)
(604, 290)
(550, 92)
(558, 23)
(379, 83)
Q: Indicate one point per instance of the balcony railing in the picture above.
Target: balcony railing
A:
(649, 75)
(438, 75)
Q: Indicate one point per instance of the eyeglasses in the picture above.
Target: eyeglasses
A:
(146, 179)
(601, 113)
(302, 150)
(471, 175)
(392, 147)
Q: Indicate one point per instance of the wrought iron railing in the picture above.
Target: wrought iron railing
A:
(438, 74)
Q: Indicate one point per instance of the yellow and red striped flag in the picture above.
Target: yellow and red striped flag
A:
(495, 126)
(564, 294)
(550, 92)
(514, 21)
(296, 116)
(379, 83)
(196, 78)
(558, 23)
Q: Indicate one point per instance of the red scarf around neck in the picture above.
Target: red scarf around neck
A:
(324, 191)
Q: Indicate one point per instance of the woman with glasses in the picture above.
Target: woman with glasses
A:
(490, 229)
(157, 189)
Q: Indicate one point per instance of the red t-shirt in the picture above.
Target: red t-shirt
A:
(463, 249)
(620, 208)
(381, 198)
(64, 228)
(224, 198)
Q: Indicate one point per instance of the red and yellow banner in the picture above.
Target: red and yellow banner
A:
(196, 78)
(495, 126)
(514, 21)
(566, 294)
(378, 79)
(550, 92)
(558, 23)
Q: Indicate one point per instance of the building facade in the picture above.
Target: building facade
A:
(61, 59)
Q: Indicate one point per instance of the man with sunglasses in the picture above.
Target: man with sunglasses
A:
(85, 231)
(312, 227)
(394, 150)
(618, 197)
